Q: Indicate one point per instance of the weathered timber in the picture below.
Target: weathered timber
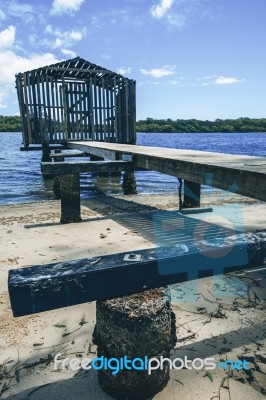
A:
(191, 194)
(129, 180)
(47, 287)
(137, 326)
(240, 174)
(68, 155)
(39, 148)
(70, 198)
(70, 100)
(84, 166)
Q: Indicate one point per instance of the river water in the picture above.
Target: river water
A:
(21, 180)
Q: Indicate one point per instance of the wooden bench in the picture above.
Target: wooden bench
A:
(70, 182)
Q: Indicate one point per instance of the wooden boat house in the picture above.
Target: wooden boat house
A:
(76, 100)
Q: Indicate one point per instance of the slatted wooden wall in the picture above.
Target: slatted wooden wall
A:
(56, 109)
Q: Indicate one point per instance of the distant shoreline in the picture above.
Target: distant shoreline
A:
(151, 125)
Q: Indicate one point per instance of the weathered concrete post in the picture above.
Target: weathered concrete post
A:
(191, 194)
(70, 198)
(129, 181)
(135, 326)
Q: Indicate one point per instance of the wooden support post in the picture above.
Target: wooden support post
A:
(46, 158)
(118, 156)
(191, 194)
(70, 198)
(138, 326)
(56, 183)
(129, 180)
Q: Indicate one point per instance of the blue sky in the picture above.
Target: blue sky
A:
(201, 59)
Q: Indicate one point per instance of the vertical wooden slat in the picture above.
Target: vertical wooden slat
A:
(36, 133)
(50, 132)
(21, 107)
(64, 109)
(108, 92)
(72, 113)
(38, 86)
(105, 138)
(57, 94)
(127, 111)
(76, 109)
(27, 109)
(85, 111)
(100, 111)
(132, 112)
(53, 109)
(95, 110)
(112, 116)
(116, 99)
(91, 118)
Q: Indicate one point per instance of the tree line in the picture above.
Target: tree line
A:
(195, 125)
(13, 124)
(10, 123)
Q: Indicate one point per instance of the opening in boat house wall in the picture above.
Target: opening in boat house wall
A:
(76, 100)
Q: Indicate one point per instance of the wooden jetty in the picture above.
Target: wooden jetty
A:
(244, 175)
(79, 105)
(91, 110)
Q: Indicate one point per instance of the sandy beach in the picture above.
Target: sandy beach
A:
(227, 322)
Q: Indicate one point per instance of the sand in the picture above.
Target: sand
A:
(226, 322)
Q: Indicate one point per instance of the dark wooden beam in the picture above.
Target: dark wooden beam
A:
(72, 154)
(39, 148)
(46, 287)
(84, 166)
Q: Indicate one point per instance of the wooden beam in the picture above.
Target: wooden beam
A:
(59, 168)
(38, 148)
(46, 287)
(72, 154)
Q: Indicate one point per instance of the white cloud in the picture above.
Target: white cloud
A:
(22, 10)
(7, 37)
(166, 70)
(105, 56)
(223, 80)
(161, 9)
(123, 70)
(11, 64)
(219, 80)
(76, 35)
(63, 39)
(66, 6)
(69, 53)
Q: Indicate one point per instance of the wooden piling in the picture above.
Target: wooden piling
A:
(135, 326)
(70, 198)
(56, 183)
(129, 181)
